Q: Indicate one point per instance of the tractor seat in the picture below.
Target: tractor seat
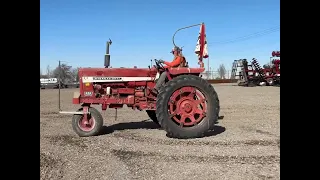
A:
(184, 62)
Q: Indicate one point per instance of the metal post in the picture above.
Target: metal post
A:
(208, 65)
(116, 117)
(59, 79)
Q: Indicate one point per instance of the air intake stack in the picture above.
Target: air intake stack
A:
(107, 55)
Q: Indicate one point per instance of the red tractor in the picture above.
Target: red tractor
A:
(187, 106)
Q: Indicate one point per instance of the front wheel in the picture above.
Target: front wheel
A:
(89, 127)
(187, 107)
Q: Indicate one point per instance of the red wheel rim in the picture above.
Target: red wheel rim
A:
(87, 125)
(187, 106)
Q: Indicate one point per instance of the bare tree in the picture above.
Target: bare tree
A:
(43, 75)
(65, 72)
(75, 74)
(222, 71)
(49, 72)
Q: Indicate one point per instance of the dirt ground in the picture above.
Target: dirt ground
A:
(246, 144)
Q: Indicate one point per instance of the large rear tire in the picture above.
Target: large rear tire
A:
(187, 107)
(152, 115)
(92, 128)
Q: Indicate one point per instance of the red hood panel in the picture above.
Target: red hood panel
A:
(118, 72)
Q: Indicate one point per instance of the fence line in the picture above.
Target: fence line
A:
(215, 75)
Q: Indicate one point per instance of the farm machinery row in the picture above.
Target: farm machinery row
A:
(186, 106)
(255, 75)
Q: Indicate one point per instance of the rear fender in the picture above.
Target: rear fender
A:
(185, 70)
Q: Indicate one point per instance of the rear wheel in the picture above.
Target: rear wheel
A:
(152, 116)
(187, 107)
(89, 127)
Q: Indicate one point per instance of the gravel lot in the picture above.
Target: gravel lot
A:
(246, 144)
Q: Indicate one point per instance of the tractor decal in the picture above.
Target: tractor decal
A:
(115, 79)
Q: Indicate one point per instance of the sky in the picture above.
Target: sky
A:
(76, 31)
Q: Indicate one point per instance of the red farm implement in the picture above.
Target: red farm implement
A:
(187, 106)
(253, 75)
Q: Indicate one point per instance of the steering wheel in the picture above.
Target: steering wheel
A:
(158, 64)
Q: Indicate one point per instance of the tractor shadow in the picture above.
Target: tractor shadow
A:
(147, 124)
(216, 131)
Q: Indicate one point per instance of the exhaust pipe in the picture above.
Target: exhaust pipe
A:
(107, 55)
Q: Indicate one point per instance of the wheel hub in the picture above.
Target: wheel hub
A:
(87, 124)
(187, 106)
(270, 81)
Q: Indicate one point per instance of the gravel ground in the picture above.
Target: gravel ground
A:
(246, 144)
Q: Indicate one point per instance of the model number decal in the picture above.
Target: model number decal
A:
(107, 78)
(87, 93)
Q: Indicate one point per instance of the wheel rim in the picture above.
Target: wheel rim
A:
(87, 125)
(270, 81)
(187, 106)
